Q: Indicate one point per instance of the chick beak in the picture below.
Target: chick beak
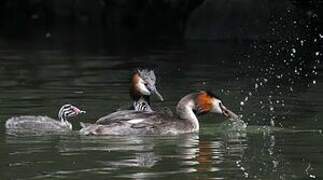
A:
(82, 112)
(78, 111)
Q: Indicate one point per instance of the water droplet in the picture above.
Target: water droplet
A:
(241, 103)
(312, 176)
(272, 122)
(302, 42)
(314, 81)
(48, 35)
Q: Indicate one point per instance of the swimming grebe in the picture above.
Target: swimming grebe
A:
(43, 124)
(143, 85)
(156, 123)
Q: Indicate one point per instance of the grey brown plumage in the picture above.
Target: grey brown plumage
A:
(156, 123)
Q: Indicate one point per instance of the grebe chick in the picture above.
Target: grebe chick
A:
(156, 123)
(43, 124)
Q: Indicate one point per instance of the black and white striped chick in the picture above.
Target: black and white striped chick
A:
(43, 124)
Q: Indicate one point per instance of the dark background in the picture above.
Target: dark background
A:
(174, 19)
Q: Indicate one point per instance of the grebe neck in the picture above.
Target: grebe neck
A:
(61, 116)
(63, 119)
(184, 110)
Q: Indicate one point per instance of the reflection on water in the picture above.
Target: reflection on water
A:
(217, 156)
(136, 157)
(36, 80)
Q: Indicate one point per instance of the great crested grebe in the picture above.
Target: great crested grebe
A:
(156, 123)
(143, 85)
(43, 124)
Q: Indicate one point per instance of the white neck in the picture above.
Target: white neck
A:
(184, 110)
(66, 124)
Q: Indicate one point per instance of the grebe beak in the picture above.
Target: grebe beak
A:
(82, 112)
(154, 90)
(227, 113)
(159, 95)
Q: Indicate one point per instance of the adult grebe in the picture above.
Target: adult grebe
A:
(143, 85)
(43, 124)
(156, 123)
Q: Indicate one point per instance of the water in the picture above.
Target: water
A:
(38, 77)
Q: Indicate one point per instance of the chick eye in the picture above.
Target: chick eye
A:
(146, 84)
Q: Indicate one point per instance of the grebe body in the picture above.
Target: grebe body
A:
(144, 123)
(43, 124)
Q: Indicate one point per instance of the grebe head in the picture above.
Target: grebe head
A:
(67, 111)
(206, 101)
(144, 84)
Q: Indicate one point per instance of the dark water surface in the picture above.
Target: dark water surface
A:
(36, 78)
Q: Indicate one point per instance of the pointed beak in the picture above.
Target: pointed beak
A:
(159, 95)
(82, 112)
(228, 114)
(154, 90)
(78, 111)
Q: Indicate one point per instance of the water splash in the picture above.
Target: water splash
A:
(280, 67)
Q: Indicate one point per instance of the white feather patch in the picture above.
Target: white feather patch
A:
(135, 121)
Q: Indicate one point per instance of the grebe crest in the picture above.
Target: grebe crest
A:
(206, 101)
